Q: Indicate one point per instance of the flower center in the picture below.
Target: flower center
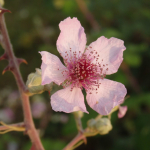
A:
(82, 72)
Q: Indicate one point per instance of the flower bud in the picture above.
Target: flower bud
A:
(91, 130)
(91, 123)
(34, 82)
(103, 126)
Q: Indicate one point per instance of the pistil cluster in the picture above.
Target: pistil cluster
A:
(81, 70)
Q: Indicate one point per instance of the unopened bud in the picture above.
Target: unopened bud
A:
(91, 130)
(34, 82)
(91, 123)
(103, 125)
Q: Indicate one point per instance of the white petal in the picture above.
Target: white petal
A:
(110, 53)
(68, 100)
(107, 96)
(52, 69)
(72, 38)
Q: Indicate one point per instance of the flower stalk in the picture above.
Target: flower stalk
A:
(78, 138)
(78, 121)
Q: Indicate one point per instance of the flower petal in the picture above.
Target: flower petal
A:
(110, 53)
(107, 96)
(122, 111)
(52, 69)
(72, 38)
(68, 100)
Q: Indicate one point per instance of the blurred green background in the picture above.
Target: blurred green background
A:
(33, 27)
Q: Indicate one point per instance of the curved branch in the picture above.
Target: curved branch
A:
(14, 65)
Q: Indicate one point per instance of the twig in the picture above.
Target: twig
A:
(79, 125)
(82, 136)
(14, 67)
(78, 122)
(11, 128)
(79, 137)
(21, 124)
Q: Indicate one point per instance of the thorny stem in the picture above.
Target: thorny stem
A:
(29, 125)
(79, 137)
(82, 136)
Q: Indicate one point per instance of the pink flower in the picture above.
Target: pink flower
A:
(84, 68)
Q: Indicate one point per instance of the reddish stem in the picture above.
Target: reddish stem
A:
(79, 137)
(29, 125)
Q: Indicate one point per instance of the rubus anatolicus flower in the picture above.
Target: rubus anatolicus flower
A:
(84, 68)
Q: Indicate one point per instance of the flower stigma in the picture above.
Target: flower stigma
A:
(82, 72)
